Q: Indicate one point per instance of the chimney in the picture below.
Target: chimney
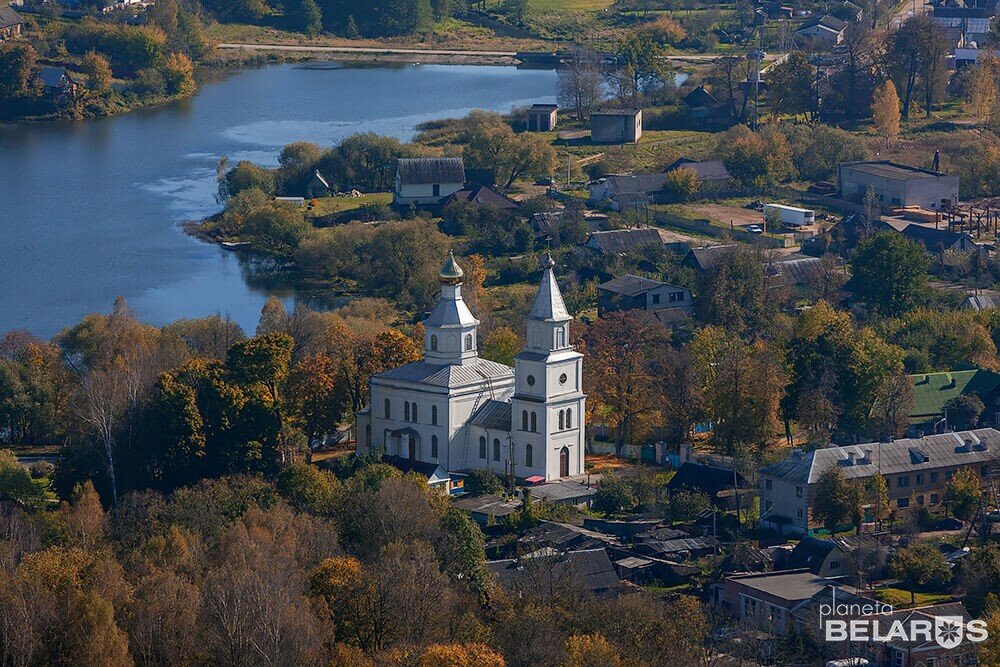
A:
(868, 456)
(850, 458)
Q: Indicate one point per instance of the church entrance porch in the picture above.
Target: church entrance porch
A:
(405, 443)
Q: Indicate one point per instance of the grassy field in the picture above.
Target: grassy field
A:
(899, 597)
(328, 205)
(568, 6)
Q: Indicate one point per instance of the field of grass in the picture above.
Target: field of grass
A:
(899, 597)
(328, 205)
(568, 6)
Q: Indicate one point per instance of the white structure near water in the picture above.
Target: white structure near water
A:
(459, 411)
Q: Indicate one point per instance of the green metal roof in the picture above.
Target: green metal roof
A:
(932, 390)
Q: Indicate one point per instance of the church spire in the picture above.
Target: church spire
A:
(451, 329)
(549, 305)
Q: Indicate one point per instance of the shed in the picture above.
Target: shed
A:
(542, 117)
(615, 126)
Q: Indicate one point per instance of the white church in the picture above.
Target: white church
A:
(459, 412)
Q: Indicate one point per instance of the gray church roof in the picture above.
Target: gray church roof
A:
(448, 376)
(493, 414)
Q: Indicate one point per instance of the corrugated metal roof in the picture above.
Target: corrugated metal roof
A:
(429, 170)
(630, 285)
(493, 414)
(889, 458)
(449, 376)
(623, 240)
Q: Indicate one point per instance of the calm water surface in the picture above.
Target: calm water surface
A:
(91, 209)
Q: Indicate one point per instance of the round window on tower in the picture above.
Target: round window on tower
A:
(562, 379)
(531, 380)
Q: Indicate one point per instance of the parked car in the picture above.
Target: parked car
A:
(755, 229)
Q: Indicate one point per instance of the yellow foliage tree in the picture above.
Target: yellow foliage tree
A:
(591, 651)
(178, 71)
(461, 655)
(885, 110)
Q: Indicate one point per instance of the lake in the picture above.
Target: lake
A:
(91, 208)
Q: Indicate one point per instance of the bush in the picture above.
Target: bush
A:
(40, 469)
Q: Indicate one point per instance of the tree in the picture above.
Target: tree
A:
(580, 82)
(893, 404)
(890, 273)
(509, 155)
(790, 86)
(591, 651)
(640, 66)
(885, 110)
(755, 160)
(308, 17)
(837, 501)
(315, 395)
(962, 494)
(614, 495)
(500, 345)
(963, 411)
(17, 69)
(460, 655)
(916, 55)
(15, 482)
(736, 294)
(98, 72)
(980, 576)
(920, 565)
(308, 489)
(178, 72)
(681, 183)
(620, 349)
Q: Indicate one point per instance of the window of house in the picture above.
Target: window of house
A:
(749, 608)
(934, 499)
(524, 420)
(562, 416)
(534, 422)
(949, 474)
(800, 513)
(468, 342)
(798, 491)
(436, 189)
(676, 296)
(434, 446)
(903, 481)
(528, 456)
(482, 447)
(434, 415)
(934, 477)
(898, 658)
(834, 564)
(767, 484)
(406, 411)
(902, 503)
(388, 410)
(656, 298)
(496, 449)
(920, 500)
(920, 479)
(569, 417)
(434, 343)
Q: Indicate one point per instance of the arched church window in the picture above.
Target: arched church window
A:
(562, 415)
(496, 449)
(406, 411)
(388, 409)
(434, 343)
(414, 412)
(524, 420)
(434, 446)
(468, 342)
(560, 337)
(434, 415)
(534, 422)
(528, 456)
(569, 417)
(482, 447)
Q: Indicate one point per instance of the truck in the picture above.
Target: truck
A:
(789, 216)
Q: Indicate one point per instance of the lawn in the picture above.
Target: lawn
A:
(899, 597)
(569, 6)
(328, 205)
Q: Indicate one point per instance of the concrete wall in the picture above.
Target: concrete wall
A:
(615, 129)
(924, 192)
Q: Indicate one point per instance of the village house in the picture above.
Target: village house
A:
(628, 192)
(631, 292)
(932, 390)
(541, 117)
(937, 241)
(426, 181)
(616, 126)
(982, 300)
(549, 572)
(704, 105)
(973, 23)
(713, 177)
(11, 23)
(840, 557)
(916, 471)
(897, 184)
(318, 186)
(59, 83)
(621, 241)
(828, 31)
(480, 195)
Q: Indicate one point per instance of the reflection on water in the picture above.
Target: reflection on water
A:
(91, 208)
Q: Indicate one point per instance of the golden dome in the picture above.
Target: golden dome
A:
(451, 273)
